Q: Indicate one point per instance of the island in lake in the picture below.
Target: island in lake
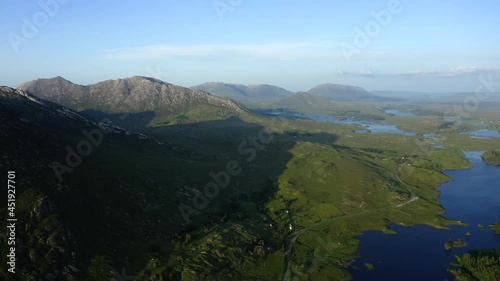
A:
(492, 157)
(478, 265)
(459, 243)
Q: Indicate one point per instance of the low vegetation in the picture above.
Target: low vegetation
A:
(477, 265)
(450, 244)
(496, 227)
(492, 157)
(369, 266)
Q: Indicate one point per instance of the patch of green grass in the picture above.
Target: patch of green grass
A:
(477, 265)
(450, 244)
(491, 157)
(496, 227)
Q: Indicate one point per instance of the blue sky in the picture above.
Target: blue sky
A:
(432, 46)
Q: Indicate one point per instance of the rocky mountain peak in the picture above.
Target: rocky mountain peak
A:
(131, 95)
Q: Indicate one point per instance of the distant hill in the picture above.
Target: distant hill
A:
(165, 102)
(402, 94)
(461, 97)
(302, 101)
(242, 93)
(346, 93)
(410, 95)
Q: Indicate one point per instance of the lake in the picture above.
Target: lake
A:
(397, 112)
(370, 126)
(417, 253)
(483, 134)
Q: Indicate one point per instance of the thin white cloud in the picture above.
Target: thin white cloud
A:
(366, 72)
(362, 72)
(453, 72)
(341, 72)
(415, 73)
(473, 70)
(279, 50)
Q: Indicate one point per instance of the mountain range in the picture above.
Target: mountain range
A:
(347, 93)
(78, 188)
(134, 173)
(144, 98)
(242, 93)
(253, 94)
(93, 198)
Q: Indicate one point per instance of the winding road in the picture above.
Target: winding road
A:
(297, 234)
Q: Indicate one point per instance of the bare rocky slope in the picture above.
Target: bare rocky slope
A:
(131, 95)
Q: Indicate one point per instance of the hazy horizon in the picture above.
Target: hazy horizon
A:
(225, 82)
(378, 45)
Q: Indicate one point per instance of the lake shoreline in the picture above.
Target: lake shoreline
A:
(368, 250)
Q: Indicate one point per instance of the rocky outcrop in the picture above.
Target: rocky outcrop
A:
(131, 95)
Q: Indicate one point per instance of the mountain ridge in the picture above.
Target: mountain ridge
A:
(244, 93)
(341, 92)
(37, 134)
(136, 94)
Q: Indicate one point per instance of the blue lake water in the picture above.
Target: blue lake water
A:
(374, 127)
(417, 253)
(484, 125)
(484, 134)
(397, 112)
(370, 126)
(386, 128)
